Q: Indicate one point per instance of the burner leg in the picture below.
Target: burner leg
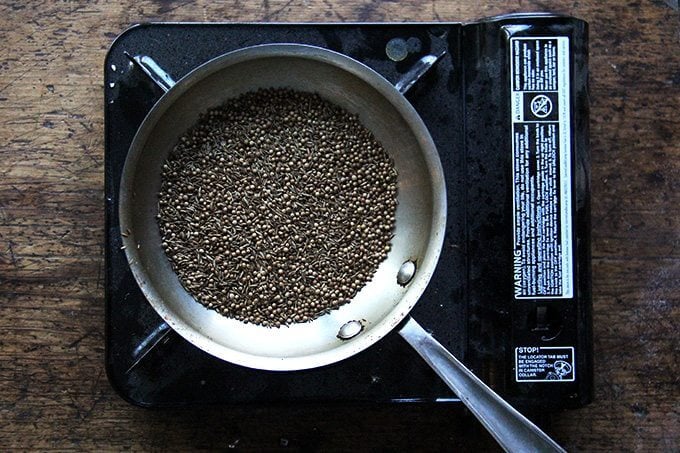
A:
(149, 66)
(416, 72)
(158, 336)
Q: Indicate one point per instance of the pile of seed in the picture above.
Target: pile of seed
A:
(277, 207)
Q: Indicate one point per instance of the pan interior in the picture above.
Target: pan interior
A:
(382, 303)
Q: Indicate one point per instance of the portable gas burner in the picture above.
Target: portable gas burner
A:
(506, 103)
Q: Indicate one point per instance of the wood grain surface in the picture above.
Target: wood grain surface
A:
(53, 390)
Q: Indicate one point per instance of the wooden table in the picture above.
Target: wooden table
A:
(53, 389)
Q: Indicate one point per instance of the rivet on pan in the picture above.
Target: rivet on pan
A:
(350, 329)
(406, 272)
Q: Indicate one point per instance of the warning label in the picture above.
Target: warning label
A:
(541, 168)
(544, 364)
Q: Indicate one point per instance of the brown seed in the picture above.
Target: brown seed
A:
(274, 223)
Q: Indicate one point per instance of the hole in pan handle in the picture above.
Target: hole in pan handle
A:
(512, 430)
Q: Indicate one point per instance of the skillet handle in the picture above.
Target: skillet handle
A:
(513, 431)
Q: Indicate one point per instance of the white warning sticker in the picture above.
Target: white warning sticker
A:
(544, 364)
(541, 168)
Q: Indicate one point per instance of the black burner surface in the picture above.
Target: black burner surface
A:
(464, 100)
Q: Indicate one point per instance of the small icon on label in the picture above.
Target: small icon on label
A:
(541, 106)
(562, 368)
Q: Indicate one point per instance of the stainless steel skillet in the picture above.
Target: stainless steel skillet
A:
(384, 302)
